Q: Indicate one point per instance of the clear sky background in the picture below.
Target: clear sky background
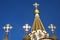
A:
(19, 12)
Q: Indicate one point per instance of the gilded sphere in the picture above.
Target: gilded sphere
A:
(36, 11)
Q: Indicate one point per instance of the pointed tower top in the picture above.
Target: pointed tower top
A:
(37, 22)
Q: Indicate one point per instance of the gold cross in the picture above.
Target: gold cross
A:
(52, 27)
(26, 27)
(7, 28)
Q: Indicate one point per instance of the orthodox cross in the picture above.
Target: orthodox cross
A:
(7, 28)
(26, 27)
(36, 5)
(52, 27)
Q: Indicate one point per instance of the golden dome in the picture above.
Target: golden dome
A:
(27, 37)
(54, 37)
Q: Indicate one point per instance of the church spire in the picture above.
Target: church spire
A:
(37, 22)
(52, 27)
(27, 27)
(7, 28)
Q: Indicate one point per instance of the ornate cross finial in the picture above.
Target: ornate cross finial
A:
(7, 28)
(36, 5)
(26, 27)
(52, 27)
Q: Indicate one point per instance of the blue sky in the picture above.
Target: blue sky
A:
(20, 12)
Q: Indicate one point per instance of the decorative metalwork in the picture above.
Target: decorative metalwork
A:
(52, 27)
(36, 5)
(26, 27)
(7, 28)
